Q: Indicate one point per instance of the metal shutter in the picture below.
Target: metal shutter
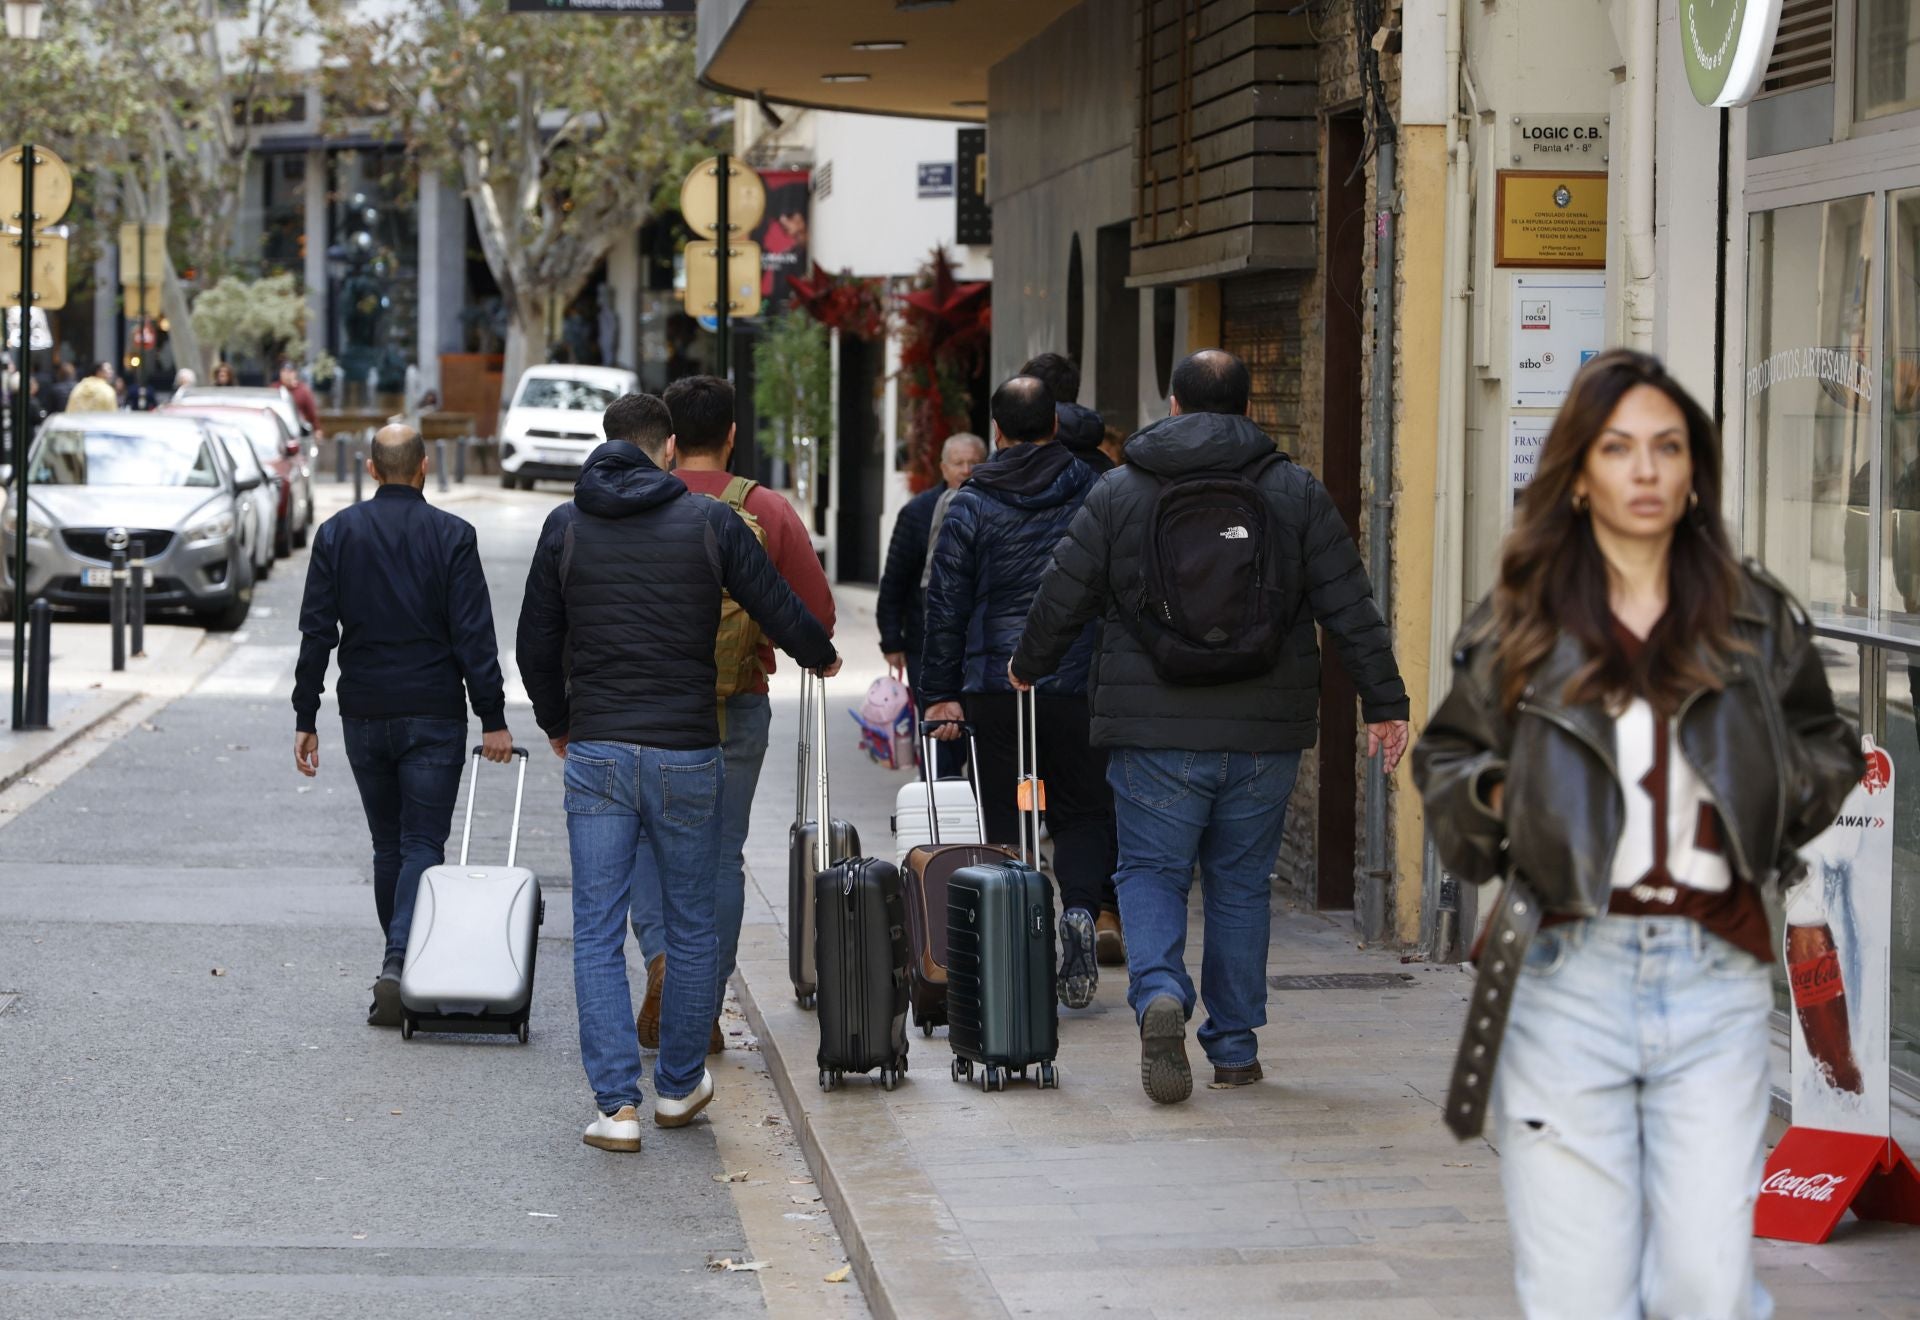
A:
(1803, 52)
(1260, 324)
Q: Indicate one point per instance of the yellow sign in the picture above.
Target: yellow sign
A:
(1551, 221)
(49, 271)
(702, 295)
(132, 237)
(136, 306)
(52, 186)
(700, 198)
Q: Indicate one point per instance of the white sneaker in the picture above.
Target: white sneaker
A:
(679, 1113)
(619, 1130)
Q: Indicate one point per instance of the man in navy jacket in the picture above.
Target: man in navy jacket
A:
(396, 584)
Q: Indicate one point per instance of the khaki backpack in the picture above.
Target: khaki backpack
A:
(736, 648)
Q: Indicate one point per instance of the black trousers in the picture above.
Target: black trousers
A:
(1079, 802)
(950, 758)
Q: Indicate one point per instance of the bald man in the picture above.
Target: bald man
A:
(396, 584)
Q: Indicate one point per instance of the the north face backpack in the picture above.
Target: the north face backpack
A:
(736, 647)
(1210, 607)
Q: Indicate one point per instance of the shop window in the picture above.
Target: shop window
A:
(1811, 370)
(1900, 411)
(1886, 75)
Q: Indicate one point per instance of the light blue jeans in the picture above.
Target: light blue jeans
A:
(1630, 1109)
(1224, 811)
(749, 718)
(622, 801)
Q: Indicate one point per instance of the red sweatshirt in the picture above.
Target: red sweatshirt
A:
(788, 545)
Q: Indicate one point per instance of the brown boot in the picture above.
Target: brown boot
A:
(1110, 946)
(647, 1025)
(716, 1042)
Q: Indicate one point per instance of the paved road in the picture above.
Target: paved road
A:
(194, 1118)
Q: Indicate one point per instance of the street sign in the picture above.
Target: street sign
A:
(130, 257)
(52, 186)
(643, 7)
(935, 178)
(702, 294)
(41, 336)
(49, 269)
(136, 306)
(1726, 46)
(700, 199)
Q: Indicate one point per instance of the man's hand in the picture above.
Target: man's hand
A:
(497, 746)
(1389, 737)
(946, 710)
(306, 753)
(1019, 684)
(559, 746)
(831, 669)
(897, 664)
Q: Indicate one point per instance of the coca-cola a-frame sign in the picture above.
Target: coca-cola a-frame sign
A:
(1840, 1154)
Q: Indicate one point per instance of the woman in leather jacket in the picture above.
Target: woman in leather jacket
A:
(1639, 737)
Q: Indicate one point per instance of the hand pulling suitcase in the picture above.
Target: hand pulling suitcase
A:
(844, 842)
(1000, 952)
(927, 868)
(474, 939)
(860, 924)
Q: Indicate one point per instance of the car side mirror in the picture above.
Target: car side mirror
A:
(247, 483)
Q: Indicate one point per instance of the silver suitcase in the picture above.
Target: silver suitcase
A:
(475, 936)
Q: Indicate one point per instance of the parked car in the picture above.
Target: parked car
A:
(276, 397)
(553, 422)
(100, 481)
(281, 453)
(260, 497)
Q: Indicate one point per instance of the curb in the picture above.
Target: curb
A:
(66, 740)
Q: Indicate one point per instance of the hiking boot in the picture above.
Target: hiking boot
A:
(385, 1009)
(678, 1113)
(618, 1131)
(1108, 940)
(647, 1025)
(1164, 1072)
(1079, 973)
(1245, 1074)
(716, 1043)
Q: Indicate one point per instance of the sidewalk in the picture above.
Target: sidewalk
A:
(1329, 1190)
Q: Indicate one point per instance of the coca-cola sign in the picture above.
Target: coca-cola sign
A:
(1803, 1187)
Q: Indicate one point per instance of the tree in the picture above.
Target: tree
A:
(792, 382)
(263, 318)
(561, 129)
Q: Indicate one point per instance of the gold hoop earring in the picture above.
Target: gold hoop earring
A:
(1581, 504)
(1693, 499)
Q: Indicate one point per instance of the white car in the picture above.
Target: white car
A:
(553, 422)
(259, 502)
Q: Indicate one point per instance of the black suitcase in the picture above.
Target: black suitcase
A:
(802, 859)
(924, 876)
(1001, 1012)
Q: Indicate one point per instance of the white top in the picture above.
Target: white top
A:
(1634, 732)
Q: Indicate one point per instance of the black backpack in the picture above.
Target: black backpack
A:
(1211, 607)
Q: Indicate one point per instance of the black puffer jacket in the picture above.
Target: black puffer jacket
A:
(623, 602)
(994, 544)
(899, 609)
(1096, 569)
(1082, 430)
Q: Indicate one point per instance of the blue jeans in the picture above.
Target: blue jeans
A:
(1224, 811)
(623, 800)
(749, 717)
(1630, 1107)
(408, 772)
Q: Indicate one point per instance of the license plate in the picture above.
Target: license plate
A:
(103, 577)
(566, 457)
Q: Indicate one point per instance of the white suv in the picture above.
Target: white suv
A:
(553, 422)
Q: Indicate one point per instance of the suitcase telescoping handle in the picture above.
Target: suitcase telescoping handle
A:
(817, 732)
(927, 745)
(1026, 733)
(519, 792)
(806, 740)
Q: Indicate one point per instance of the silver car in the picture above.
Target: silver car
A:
(100, 481)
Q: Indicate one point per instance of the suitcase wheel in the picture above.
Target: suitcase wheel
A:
(993, 1078)
(963, 1070)
(1049, 1077)
(926, 1029)
(406, 1028)
(807, 1000)
(888, 1078)
(522, 1033)
(829, 1078)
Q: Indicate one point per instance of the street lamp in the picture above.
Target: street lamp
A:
(23, 19)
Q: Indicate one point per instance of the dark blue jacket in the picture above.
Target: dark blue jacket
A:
(622, 607)
(396, 584)
(994, 548)
(901, 609)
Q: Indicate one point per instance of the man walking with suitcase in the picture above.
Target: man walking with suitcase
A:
(703, 437)
(397, 585)
(993, 549)
(1211, 557)
(616, 648)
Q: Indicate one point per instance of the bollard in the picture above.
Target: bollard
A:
(440, 461)
(460, 460)
(39, 664)
(359, 471)
(340, 459)
(137, 597)
(118, 610)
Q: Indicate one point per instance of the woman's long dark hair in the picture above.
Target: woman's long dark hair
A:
(1553, 578)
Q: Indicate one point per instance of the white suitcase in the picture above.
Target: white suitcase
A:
(474, 939)
(953, 799)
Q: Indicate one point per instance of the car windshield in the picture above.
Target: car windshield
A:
(573, 395)
(124, 458)
(257, 424)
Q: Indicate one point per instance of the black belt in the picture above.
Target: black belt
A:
(1515, 922)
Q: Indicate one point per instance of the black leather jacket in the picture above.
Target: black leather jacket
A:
(1776, 757)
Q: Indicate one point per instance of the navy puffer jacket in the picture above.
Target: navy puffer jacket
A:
(993, 550)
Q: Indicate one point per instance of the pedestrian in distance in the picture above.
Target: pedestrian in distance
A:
(702, 408)
(992, 551)
(1639, 737)
(616, 647)
(1081, 429)
(901, 607)
(1212, 558)
(223, 374)
(302, 394)
(92, 395)
(65, 377)
(398, 587)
